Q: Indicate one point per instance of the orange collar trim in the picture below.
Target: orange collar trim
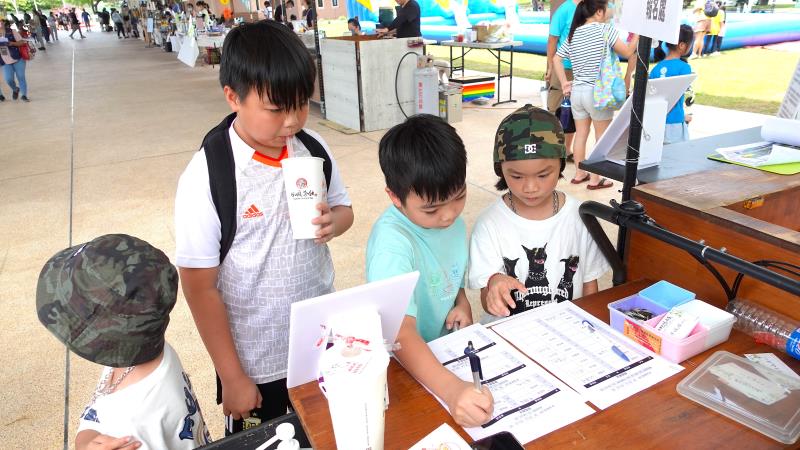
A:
(270, 161)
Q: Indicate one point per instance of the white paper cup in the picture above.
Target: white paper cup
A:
(544, 91)
(305, 188)
(355, 386)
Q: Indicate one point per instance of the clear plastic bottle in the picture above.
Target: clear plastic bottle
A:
(766, 326)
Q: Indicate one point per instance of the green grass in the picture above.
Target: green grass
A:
(747, 79)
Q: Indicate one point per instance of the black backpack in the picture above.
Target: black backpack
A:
(222, 175)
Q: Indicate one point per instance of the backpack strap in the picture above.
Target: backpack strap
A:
(222, 180)
(316, 149)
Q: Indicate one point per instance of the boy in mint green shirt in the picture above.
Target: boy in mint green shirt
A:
(424, 162)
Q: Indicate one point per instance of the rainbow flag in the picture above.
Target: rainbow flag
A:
(477, 90)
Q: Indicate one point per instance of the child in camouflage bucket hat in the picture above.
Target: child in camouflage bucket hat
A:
(530, 247)
(108, 300)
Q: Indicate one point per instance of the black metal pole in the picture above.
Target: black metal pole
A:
(319, 58)
(632, 215)
(635, 132)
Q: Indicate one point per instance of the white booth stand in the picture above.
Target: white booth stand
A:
(359, 79)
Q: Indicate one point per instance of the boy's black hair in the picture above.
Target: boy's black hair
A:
(502, 186)
(355, 22)
(423, 155)
(270, 58)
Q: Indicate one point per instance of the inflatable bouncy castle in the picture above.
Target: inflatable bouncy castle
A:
(443, 18)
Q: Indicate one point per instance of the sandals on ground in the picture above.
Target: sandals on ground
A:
(600, 185)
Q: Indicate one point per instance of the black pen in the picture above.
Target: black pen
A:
(474, 365)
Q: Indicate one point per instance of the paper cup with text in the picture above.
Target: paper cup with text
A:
(305, 188)
(355, 384)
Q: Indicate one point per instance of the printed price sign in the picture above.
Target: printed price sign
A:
(644, 337)
(657, 19)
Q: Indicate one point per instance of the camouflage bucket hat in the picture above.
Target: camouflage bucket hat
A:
(109, 299)
(528, 133)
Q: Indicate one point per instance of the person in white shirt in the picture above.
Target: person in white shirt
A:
(530, 248)
(109, 301)
(240, 293)
(267, 11)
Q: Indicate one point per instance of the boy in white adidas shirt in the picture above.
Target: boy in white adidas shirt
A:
(240, 299)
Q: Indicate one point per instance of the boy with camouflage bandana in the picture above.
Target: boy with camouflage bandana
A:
(530, 247)
(109, 300)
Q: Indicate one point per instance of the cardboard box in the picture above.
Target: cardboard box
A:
(484, 31)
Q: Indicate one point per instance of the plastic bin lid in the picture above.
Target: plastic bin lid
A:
(751, 394)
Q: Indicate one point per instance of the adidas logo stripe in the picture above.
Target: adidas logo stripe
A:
(252, 212)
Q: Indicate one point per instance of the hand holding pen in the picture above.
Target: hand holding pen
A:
(470, 404)
(474, 365)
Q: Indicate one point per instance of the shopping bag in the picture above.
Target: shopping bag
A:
(189, 51)
(27, 52)
(609, 88)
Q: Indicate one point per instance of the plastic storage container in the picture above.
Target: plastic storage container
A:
(718, 321)
(667, 294)
(757, 400)
(675, 350)
(635, 301)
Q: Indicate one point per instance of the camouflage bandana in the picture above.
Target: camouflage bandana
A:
(528, 133)
(109, 299)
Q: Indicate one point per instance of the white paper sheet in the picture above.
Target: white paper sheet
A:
(555, 336)
(658, 19)
(760, 154)
(442, 438)
(773, 362)
(528, 401)
(781, 131)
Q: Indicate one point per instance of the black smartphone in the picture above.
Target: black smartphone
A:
(500, 441)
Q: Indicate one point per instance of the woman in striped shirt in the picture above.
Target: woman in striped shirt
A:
(588, 36)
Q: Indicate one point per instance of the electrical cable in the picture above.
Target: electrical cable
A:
(396, 74)
(768, 263)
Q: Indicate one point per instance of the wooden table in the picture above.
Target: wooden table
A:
(655, 418)
(496, 49)
(753, 214)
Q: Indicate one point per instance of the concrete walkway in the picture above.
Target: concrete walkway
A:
(138, 116)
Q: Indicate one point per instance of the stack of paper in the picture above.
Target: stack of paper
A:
(528, 401)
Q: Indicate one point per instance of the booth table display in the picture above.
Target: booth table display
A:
(496, 49)
(204, 40)
(655, 418)
(679, 159)
(359, 74)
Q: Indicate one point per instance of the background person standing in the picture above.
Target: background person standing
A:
(559, 32)
(407, 22)
(75, 24)
(86, 20)
(12, 62)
